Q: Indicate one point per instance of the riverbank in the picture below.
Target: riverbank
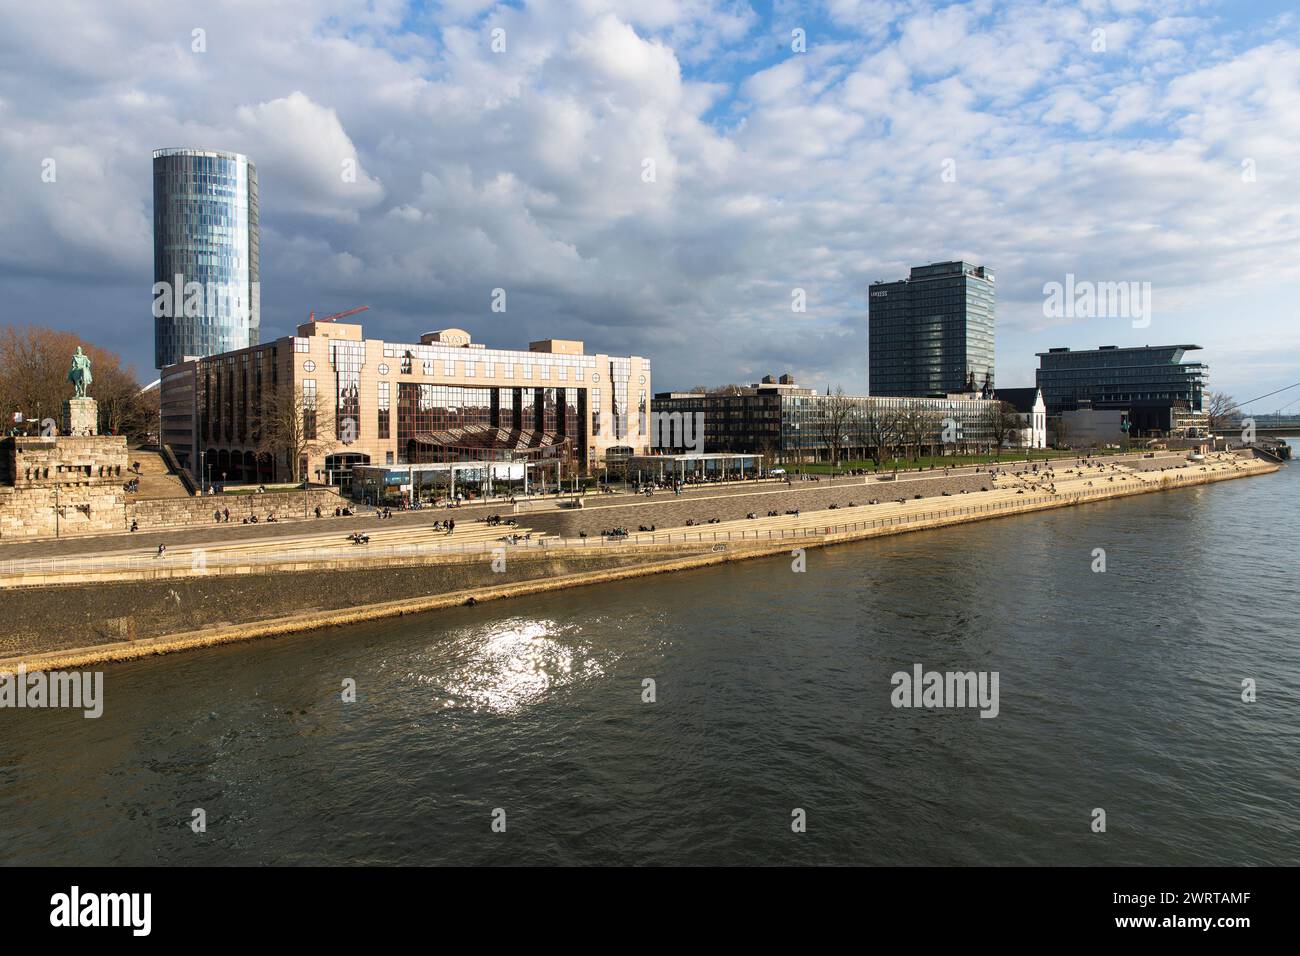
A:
(157, 610)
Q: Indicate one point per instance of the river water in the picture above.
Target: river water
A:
(1119, 690)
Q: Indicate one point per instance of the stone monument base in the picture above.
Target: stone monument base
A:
(81, 417)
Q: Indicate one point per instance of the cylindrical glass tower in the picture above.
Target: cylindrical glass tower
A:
(205, 253)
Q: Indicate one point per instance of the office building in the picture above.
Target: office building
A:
(931, 334)
(334, 399)
(787, 423)
(1161, 393)
(205, 254)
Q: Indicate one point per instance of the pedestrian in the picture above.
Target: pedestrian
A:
(162, 549)
(226, 512)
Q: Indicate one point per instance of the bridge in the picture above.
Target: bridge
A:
(1276, 427)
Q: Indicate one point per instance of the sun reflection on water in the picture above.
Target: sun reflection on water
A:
(510, 666)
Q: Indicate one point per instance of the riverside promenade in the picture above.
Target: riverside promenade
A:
(220, 592)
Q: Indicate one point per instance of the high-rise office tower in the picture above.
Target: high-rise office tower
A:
(205, 254)
(932, 333)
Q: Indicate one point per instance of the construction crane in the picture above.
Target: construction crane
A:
(337, 315)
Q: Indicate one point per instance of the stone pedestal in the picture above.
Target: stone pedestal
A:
(81, 417)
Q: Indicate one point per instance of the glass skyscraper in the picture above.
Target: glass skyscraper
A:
(931, 333)
(205, 254)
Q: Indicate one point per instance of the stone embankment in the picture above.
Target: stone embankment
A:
(161, 609)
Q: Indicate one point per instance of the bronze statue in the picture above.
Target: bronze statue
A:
(79, 374)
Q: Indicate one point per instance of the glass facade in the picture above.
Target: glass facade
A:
(1149, 382)
(793, 426)
(620, 371)
(205, 228)
(435, 408)
(930, 333)
(347, 358)
(383, 401)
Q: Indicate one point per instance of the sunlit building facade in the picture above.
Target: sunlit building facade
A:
(365, 401)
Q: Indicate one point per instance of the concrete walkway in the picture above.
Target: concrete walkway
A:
(1008, 493)
(330, 531)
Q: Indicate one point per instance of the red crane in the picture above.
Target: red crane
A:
(337, 315)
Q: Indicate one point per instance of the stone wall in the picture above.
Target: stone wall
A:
(47, 619)
(72, 486)
(62, 486)
(188, 512)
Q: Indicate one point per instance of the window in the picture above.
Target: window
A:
(309, 409)
(384, 417)
(347, 359)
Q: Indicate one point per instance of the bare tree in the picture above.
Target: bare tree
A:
(833, 422)
(34, 381)
(293, 425)
(919, 427)
(879, 429)
(1001, 420)
(1220, 410)
(1060, 431)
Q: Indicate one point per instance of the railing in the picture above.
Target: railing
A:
(759, 536)
(172, 462)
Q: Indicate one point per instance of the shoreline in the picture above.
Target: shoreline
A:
(727, 552)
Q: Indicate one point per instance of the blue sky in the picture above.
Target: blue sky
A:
(775, 170)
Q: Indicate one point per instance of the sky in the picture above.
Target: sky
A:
(814, 146)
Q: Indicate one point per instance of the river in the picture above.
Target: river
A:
(1119, 690)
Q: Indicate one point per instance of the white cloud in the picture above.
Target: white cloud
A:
(523, 169)
(302, 143)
